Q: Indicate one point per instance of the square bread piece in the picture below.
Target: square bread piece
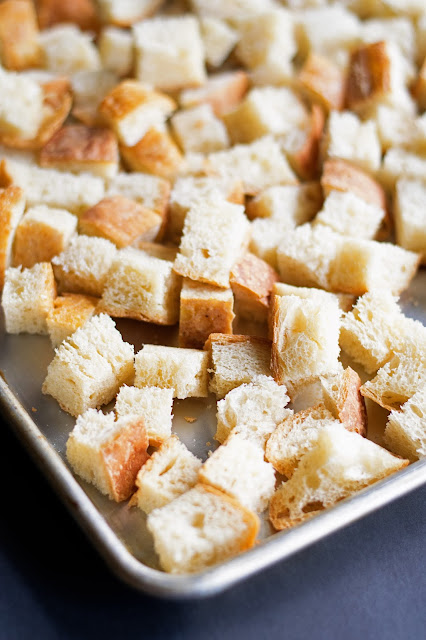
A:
(171, 471)
(108, 453)
(153, 404)
(223, 91)
(141, 287)
(410, 215)
(218, 39)
(132, 109)
(323, 81)
(201, 528)
(128, 12)
(305, 341)
(340, 175)
(150, 191)
(78, 148)
(21, 105)
(348, 138)
(253, 410)
(121, 220)
(19, 35)
(238, 469)
(204, 309)
(266, 236)
(399, 163)
(27, 298)
(294, 204)
(169, 52)
(116, 50)
(350, 215)
(214, 235)
(339, 464)
(183, 370)
(84, 264)
(198, 129)
(405, 432)
(89, 367)
(251, 282)
(42, 233)
(342, 397)
(67, 50)
(70, 311)
(236, 360)
(12, 205)
(156, 152)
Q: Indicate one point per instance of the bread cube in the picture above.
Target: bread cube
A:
(42, 234)
(253, 410)
(151, 192)
(345, 301)
(153, 405)
(223, 91)
(127, 13)
(266, 235)
(132, 109)
(405, 430)
(108, 454)
(21, 105)
(349, 215)
(294, 204)
(67, 50)
(410, 215)
(235, 360)
(316, 35)
(218, 39)
(399, 30)
(12, 205)
(230, 10)
(116, 50)
(70, 311)
(420, 86)
(323, 81)
(217, 525)
(340, 175)
(27, 298)
(141, 287)
(339, 464)
(350, 139)
(343, 399)
(84, 264)
(198, 129)
(155, 153)
(121, 220)
(302, 145)
(89, 89)
(89, 367)
(183, 370)
(171, 471)
(204, 309)
(169, 52)
(251, 281)
(81, 12)
(18, 35)
(399, 163)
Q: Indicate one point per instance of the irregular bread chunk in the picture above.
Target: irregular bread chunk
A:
(152, 404)
(218, 38)
(302, 146)
(151, 191)
(155, 153)
(410, 215)
(348, 138)
(12, 205)
(21, 105)
(70, 311)
(116, 50)
(294, 204)
(18, 35)
(340, 175)
(346, 213)
(342, 397)
(223, 91)
(198, 129)
(89, 88)
(399, 163)
(67, 50)
(323, 81)
(405, 432)
(251, 281)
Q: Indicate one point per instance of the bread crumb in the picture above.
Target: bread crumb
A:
(33, 409)
(190, 419)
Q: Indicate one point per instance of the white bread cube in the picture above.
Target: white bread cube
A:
(169, 52)
(218, 38)
(201, 528)
(420, 85)
(116, 50)
(42, 233)
(238, 469)
(67, 50)
(251, 282)
(89, 89)
(350, 139)
(12, 205)
(345, 301)
(253, 410)
(21, 105)
(400, 163)
(198, 129)
(84, 264)
(27, 298)
(155, 153)
(397, 29)
(266, 235)
(214, 235)
(89, 367)
(183, 370)
(235, 360)
(405, 432)
(171, 471)
(295, 204)
(150, 191)
(70, 311)
(337, 466)
(396, 128)
(343, 399)
(305, 341)
(347, 214)
(108, 453)
(315, 34)
(19, 35)
(410, 215)
(340, 175)
(231, 10)
(152, 404)
(127, 12)
(141, 287)
(223, 91)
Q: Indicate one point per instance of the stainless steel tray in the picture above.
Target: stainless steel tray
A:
(117, 531)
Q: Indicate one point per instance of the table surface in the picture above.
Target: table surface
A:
(367, 581)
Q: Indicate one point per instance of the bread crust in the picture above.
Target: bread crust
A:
(349, 405)
(222, 97)
(306, 160)
(251, 280)
(155, 153)
(10, 198)
(19, 35)
(323, 81)
(79, 144)
(80, 12)
(369, 77)
(130, 95)
(341, 175)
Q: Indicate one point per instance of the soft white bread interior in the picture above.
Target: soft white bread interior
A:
(21, 106)
(409, 215)
(348, 214)
(219, 38)
(405, 432)
(67, 50)
(152, 404)
(150, 191)
(116, 50)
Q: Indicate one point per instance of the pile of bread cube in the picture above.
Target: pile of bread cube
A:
(210, 164)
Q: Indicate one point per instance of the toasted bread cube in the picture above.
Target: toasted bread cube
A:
(294, 204)
(183, 370)
(42, 234)
(340, 175)
(410, 215)
(121, 220)
(80, 12)
(405, 431)
(323, 81)
(238, 469)
(218, 38)
(132, 109)
(21, 105)
(12, 205)
(214, 235)
(68, 50)
(343, 399)
(152, 404)
(204, 309)
(78, 148)
(171, 471)
(84, 264)
(27, 298)
(198, 129)
(345, 301)
(259, 165)
(223, 91)
(70, 311)
(399, 163)
(302, 146)
(155, 153)
(346, 213)
(235, 360)
(127, 13)
(420, 86)
(89, 367)
(305, 342)
(18, 35)
(116, 50)
(169, 52)
(253, 410)
(141, 287)
(108, 454)
(89, 89)
(151, 192)
(316, 35)
(217, 525)
(339, 464)
(399, 30)
(251, 281)
(350, 139)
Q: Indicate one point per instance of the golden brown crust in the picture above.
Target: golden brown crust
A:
(199, 317)
(9, 198)
(305, 161)
(155, 153)
(323, 81)
(221, 338)
(251, 280)
(350, 405)
(273, 331)
(72, 309)
(78, 143)
(340, 175)
(19, 35)
(79, 12)
(228, 95)
(419, 90)
(369, 77)
(130, 95)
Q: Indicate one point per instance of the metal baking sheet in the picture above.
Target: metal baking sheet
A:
(119, 532)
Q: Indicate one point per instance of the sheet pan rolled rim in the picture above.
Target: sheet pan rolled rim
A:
(151, 581)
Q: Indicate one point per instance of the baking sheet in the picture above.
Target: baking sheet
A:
(119, 532)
